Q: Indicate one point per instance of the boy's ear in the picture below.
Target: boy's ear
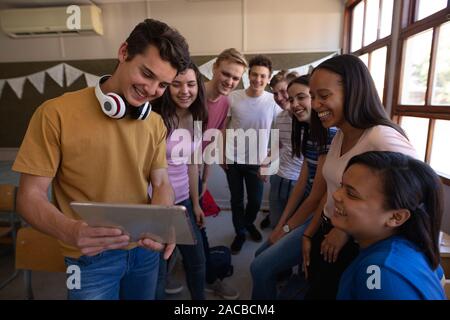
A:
(123, 52)
(398, 217)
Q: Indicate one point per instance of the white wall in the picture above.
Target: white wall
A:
(209, 27)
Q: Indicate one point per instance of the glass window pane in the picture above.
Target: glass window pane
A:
(371, 23)
(387, 8)
(415, 68)
(440, 152)
(357, 26)
(441, 81)
(417, 131)
(428, 7)
(365, 59)
(378, 69)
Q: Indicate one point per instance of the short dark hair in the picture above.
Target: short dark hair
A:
(408, 183)
(362, 105)
(172, 46)
(166, 107)
(260, 60)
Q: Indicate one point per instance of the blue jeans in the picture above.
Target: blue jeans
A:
(211, 274)
(193, 262)
(237, 174)
(280, 189)
(270, 260)
(116, 274)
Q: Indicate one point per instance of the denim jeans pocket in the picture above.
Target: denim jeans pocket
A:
(84, 261)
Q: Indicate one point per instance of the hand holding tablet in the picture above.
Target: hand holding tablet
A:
(159, 223)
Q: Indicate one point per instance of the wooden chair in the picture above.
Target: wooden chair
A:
(447, 289)
(8, 206)
(444, 248)
(36, 251)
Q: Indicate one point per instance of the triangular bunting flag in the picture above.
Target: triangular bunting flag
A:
(2, 83)
(207, 68)
(57, 74)
(17, 85)
(274, 72)
(38, 80)
(245, 80)
(302, 70)
(72, 74)
(91, 79)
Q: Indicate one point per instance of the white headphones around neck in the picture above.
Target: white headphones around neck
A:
(116, 107)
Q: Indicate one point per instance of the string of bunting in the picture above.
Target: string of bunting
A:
(71, 73)
(56, 73)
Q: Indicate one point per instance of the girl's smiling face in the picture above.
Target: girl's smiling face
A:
(327, 97)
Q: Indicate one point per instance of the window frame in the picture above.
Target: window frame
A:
(408, 26)
(377, 44)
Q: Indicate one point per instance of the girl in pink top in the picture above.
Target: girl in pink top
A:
(343, 95)
(181, 105)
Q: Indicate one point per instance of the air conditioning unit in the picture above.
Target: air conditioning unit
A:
(52, 21)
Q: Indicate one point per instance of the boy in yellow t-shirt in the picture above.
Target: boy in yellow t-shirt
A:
(74, 143)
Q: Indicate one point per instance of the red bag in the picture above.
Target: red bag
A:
(210, 207)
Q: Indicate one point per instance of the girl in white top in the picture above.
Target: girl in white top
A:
(283, 182)
(343, 95)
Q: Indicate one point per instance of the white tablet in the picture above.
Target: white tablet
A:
(160, 223)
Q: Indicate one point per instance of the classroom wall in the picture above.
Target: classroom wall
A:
(209, 27)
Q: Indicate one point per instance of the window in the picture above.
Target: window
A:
(426, 8)
(419, 72)
(377, 59)
(365, 59)
(422, 94)
(357, 26)
(440, 153)
(441, 82)
(387, 7)
(415, 68)
(371, 22)
(371, 27)
(416, 129)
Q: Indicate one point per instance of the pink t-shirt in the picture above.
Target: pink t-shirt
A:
(377, 138)
(178, 152)
(217, 113)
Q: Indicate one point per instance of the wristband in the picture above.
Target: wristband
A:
(306, 236)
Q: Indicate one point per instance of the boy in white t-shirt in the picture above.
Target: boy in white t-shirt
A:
(251, 114)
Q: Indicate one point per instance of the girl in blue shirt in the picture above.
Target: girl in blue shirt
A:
(392, 205)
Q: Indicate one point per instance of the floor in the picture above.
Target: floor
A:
(52, 285)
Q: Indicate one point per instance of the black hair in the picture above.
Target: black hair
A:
(362, 105)
(410, 184)
(260, 60)
(166, 107)
(172, 46)
(300, 130)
